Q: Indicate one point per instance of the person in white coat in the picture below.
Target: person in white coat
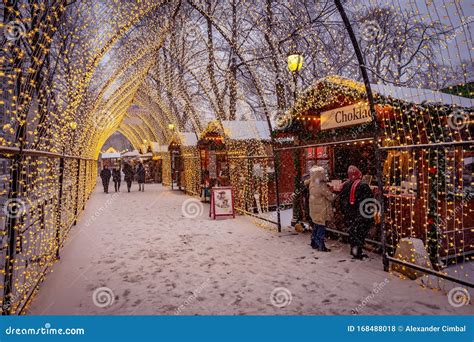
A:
(320, 206)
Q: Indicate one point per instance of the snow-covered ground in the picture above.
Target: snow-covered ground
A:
(141, 250)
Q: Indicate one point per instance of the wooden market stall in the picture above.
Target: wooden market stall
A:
(162, 156)
(426, 151)
(155, 164)
(238, 154)
(111, 158)
(185, 163)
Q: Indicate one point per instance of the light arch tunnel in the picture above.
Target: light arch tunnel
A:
(53, 134)
(118, 67)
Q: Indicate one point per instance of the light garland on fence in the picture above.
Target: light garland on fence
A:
(431, 178)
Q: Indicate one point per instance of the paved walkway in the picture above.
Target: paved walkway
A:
(137, 253)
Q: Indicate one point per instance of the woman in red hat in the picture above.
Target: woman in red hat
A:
(354, 198)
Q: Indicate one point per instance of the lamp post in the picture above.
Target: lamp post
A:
(295, 63)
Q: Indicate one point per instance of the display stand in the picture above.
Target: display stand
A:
(222, 202)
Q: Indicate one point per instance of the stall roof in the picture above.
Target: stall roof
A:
(133, 153)
(188, 139)
(242, 130)
(184, 139)
(155, 146)
(110, 155)
(418, 96)
(412, 95)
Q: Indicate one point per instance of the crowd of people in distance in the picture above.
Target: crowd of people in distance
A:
(130, 172)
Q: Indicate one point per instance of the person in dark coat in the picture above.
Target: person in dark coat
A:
(354, 198)
(128, 172)
(141, 176)
(105, 175)
(117, 178)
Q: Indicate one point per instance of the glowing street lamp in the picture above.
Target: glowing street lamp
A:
(170, 126)
(295, 62)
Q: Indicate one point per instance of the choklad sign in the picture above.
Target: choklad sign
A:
(346, 116)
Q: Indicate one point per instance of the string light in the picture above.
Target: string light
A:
(87, 67)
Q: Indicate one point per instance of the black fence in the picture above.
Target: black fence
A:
(42, 196)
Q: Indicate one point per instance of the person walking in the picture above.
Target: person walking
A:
(353, 196)
(320, 206)
(117, 178)
(128, 172)
(141, 176)
(105, 175)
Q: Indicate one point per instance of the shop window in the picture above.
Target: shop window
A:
(317, 156)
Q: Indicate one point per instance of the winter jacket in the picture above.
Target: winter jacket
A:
(128, 171)
(350, 211)
(140, 174)
(320, 196)
(105, 174)
(116, 176)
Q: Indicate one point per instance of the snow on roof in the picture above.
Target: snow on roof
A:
(187, 139)
(418, 96)
(155, 146)
(412, 95)
(133, 153)
(242, 130)
(110, 155)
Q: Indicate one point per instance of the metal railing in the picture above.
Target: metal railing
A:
(42, 198)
